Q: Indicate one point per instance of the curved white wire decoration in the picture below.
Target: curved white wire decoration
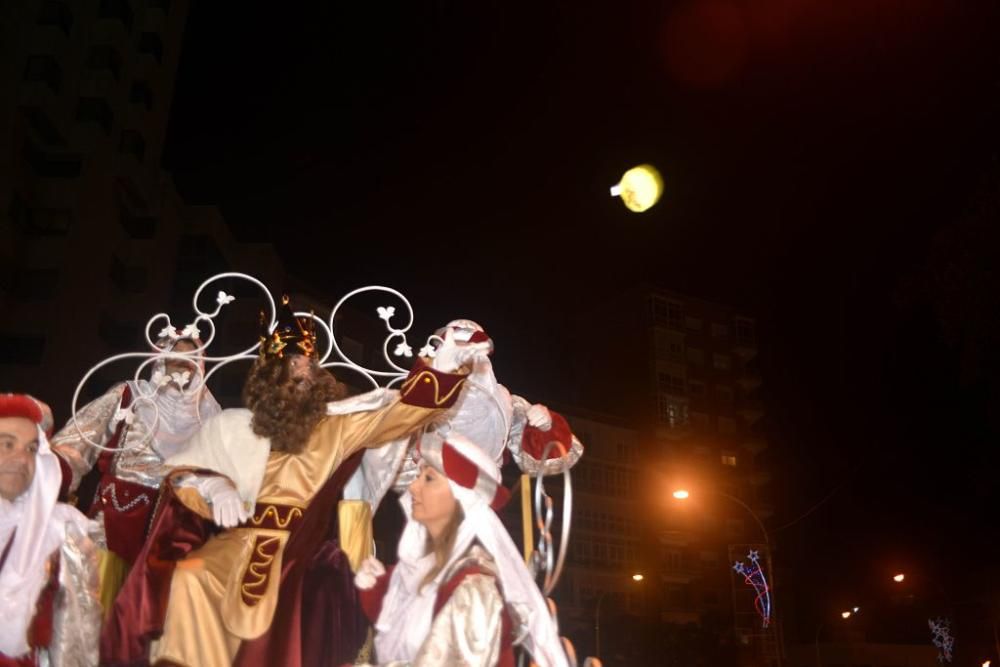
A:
(195, 358)
(544, 557)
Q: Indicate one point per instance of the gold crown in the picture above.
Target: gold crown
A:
(290, 330)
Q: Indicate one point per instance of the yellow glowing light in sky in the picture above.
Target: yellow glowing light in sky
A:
(640, 188)
(681, 494)
(899, 577)
(637, 577)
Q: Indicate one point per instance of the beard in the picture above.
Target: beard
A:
(287, 409)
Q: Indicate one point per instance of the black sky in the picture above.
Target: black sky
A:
(463, 152)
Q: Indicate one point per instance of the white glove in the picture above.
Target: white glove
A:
(228, 509)
(369, 572)
(539, 416)
(450, 356)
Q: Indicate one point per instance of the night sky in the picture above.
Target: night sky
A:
(831, 167)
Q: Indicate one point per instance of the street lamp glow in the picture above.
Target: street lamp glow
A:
(681, 494)
(856, 609)
(986, 664)
(899, 578)
(845, 614)
(640, 188)
(637, 577)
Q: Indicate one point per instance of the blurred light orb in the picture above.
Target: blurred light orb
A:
(640, 188)
(681, 494)
(845, 614)
(899, 578)
(637, 577)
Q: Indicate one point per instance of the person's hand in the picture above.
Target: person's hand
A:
(228, 509)
(368, 573)
(539, 416)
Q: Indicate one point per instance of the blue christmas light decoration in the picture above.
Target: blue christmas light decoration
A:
(941, 637)
(753, 576)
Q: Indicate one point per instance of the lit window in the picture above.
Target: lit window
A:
(666, 312)
(671, 384)
(729, 460)
(672, 412)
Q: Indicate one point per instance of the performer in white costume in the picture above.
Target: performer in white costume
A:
(486, 414)
(132, 465)
(48, 564)
(460, 594)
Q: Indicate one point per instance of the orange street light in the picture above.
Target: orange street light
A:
(845, 614)
(899, 578)
(637, 577)
(681, 494)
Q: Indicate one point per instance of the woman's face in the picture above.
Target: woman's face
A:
(433, 502)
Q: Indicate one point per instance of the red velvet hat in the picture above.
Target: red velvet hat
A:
(28, 407)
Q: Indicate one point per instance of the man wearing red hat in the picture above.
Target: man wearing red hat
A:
(273, 587)
(48, 564)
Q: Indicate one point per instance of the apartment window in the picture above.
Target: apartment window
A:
(720, 330)
(670, 383)
(35, 284)
(133, 144)
(696, 388)
(624, 452)
(725, 394)
(23, 350)
(151, 45)
(55, 13)
(695, 356)
(669, 345)
(52, 165)
(692, 323)
(667, 312)
(105, 58)
(727, 426)
(95, 110)
(140, 93)
(729, 459)
(116, 10)
(44, 69)
(673, 559)
(672, 412)
(745, 330)
(38, 222)
(721, 362)
(43, 128)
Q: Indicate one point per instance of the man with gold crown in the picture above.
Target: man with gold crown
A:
(272, 586)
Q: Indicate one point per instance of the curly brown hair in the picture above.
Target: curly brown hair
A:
(282, 410)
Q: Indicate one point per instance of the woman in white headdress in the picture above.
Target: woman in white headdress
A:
(460, 593)
(139, 423)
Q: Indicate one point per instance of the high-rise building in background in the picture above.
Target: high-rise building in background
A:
(93, 231)
(679, 374)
